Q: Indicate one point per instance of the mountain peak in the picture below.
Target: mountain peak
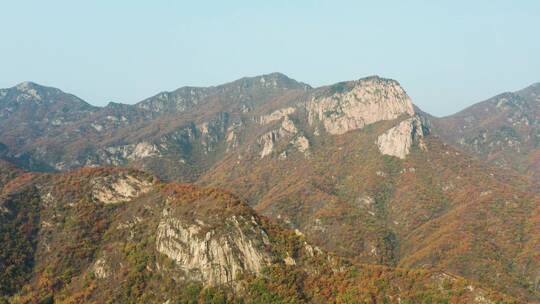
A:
(378, 78)
(372, 84)
(31, 91)
(378, 81)
(28, 91)
(25, 85)
(351, 105)
(272, 80)
(27, 95)
(29, 86)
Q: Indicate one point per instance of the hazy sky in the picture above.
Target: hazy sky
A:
(447, 54)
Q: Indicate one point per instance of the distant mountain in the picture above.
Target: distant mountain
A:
(123, 134)
(240, 95)
(35, 109)
(353, 167)
(504, 130)
(121, 236)
(29, 95)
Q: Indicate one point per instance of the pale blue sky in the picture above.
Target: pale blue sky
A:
(447, 54)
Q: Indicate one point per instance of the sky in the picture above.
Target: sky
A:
(446, 54)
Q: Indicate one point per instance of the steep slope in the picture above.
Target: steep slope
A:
(308, 160)
(354, 168)
(504, 130)
(110, 235)
(177, 135)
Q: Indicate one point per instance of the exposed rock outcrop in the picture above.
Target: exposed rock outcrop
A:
(210, 255)
(100, 269)
(114, 189)
(301, 143)
(269, 139)
(351, 106)
(276, 115)
(133, 152)
(232, 138)
(398, 140)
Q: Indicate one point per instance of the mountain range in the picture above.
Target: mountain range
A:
(266, 190)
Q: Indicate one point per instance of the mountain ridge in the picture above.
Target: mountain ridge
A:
(354, 167)
(503, 130)
(110, 125)
(171, 242)
(247, 79)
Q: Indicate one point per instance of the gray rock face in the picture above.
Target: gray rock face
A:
(212, 256)
(117, 189)
(369, 100)
(269, 139)
(398, 140)
(276, 115)
(346, 107)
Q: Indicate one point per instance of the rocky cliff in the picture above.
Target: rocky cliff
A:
(208, 246)
(351, 106)
(398, 140)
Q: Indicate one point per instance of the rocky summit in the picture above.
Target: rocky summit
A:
(268, 190)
